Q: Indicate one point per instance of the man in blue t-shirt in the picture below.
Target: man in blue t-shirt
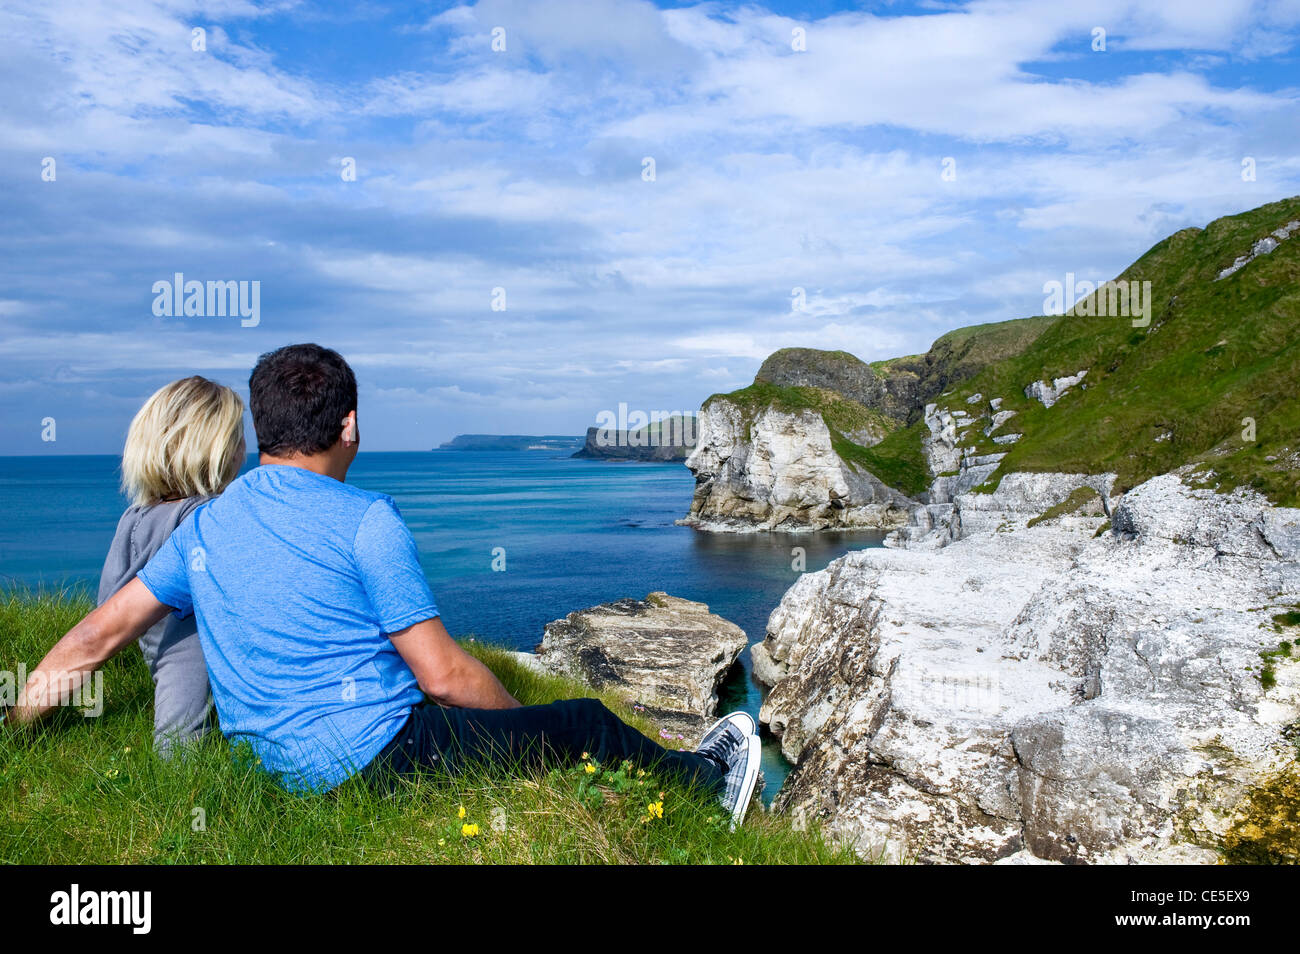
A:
(324, 647)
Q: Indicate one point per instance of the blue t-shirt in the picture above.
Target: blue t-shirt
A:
(294, 579)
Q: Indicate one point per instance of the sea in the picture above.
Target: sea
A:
(509, 540)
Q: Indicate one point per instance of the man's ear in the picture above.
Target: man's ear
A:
(350, 428)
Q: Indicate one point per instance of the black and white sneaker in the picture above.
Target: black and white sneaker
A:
(742, 720)
(733, 745)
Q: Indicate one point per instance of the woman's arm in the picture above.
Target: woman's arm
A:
(84, 648)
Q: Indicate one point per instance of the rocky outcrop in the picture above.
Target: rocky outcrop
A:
(960, 501)
(1263, 247)
(1048, 394)
(1050, 692)
(956, 469)
(777, 470)
(894, 395)
(786, 452)
(666, 654)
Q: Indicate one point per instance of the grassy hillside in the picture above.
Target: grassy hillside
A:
(901, 386)
(898, 460)
(958, 355)
(76, 790)
(1177, 391)
(1218, 359)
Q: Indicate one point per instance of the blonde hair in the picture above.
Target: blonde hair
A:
(187, 440)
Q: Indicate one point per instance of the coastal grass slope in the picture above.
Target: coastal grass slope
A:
(898, 460)
(874, 412)
(1210, 382)
(957, 355)
(91, 791)
(840, 413)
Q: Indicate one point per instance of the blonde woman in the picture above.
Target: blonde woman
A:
(183, 448)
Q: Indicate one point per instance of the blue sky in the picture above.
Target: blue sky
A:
(522, 169)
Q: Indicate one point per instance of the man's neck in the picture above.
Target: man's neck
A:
(328, 464)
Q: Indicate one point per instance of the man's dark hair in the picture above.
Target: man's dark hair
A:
(299, 396)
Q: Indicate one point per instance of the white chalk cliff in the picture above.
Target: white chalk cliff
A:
(1077, 690)
(777, 470)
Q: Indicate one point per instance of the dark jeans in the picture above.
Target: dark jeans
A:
(554, 735)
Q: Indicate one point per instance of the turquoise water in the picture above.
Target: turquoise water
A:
(574, 533)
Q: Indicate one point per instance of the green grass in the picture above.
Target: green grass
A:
(1215, 353)
(963, 352)
(77, 790)
(1268, 671)
(898, 460)
(1078, 497)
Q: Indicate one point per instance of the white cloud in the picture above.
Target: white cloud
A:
(774, 169)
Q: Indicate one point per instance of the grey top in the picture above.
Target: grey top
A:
(140, 532)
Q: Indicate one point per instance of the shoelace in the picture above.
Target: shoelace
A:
(721, 749)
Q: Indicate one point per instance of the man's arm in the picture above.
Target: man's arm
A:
(87, 646)
(446, 673)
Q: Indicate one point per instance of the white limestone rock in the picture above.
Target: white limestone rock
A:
(1263, 247)
(1049, 394)
(999, 418)
(1040, 692)
(777, 470)
(954, 469)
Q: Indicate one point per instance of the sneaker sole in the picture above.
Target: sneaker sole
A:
(752, 765)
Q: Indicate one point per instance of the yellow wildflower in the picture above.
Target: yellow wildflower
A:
(460, 813)
(469, 831)
(591, 769)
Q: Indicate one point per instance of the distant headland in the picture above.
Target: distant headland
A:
(512, 442)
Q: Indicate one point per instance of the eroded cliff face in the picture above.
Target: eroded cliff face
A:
(777, 470)
(1057, 692)
(954, 504)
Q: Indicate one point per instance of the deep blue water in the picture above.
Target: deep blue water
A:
(574, 533)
